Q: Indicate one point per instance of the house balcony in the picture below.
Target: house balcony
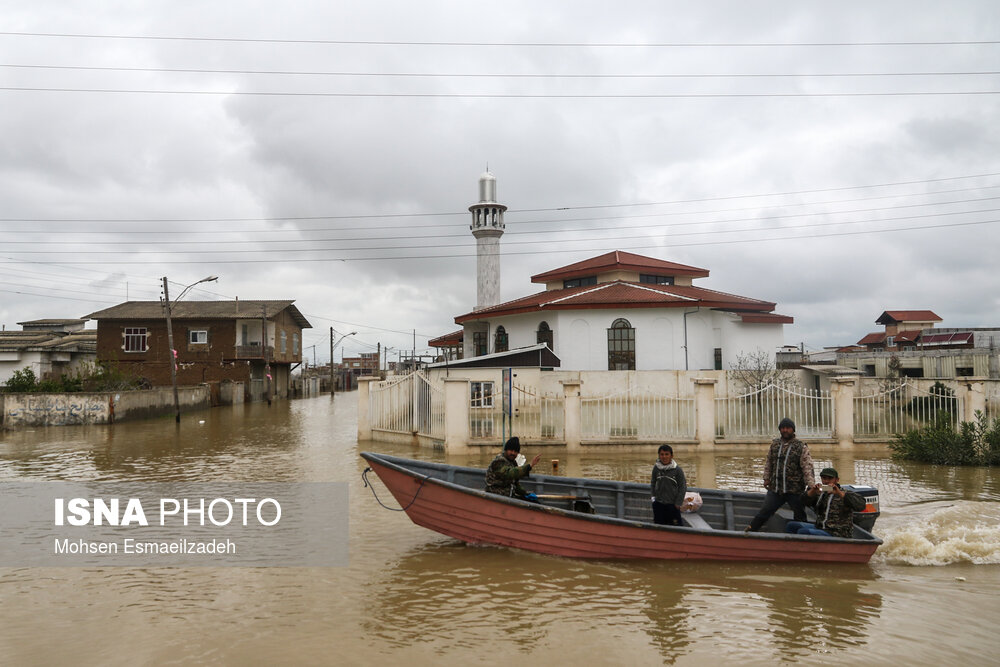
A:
(265, 353)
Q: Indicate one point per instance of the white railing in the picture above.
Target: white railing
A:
(390, 405)
(629, 414)
(536, 415)
(757, 412)
(992, 401)
(429, 407)
(900, 408)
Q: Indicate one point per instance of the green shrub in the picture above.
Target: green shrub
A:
(975, 443)
(21, 381)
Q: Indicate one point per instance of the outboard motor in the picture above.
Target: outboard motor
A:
(866, 518)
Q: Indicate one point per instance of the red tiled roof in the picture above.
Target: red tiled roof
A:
(448, 340)
(872, 338)
(619, 259)
(907, 336)
(894, 316)
(622, 294)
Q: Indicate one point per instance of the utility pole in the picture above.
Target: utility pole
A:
(263, 349)
(378, 358)
(333, 387)
(173, 355)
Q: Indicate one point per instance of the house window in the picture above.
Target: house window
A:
(284, 343)
(198, 336)
(482, 394)
(718, 358)
(479, 343)
(135, 339)
(500, 342)
(621, 346)
(544, 335)
(580, 282)
(656, 280)
(295, 343)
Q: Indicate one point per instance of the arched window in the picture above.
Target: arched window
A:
(500, 342)
(544, 335)
(621, 346)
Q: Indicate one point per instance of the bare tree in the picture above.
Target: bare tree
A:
(757, 368)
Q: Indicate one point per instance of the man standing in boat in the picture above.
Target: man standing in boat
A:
(788, 472)
(503, 475)
(669, 486)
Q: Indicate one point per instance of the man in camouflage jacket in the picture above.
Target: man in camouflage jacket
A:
(788, 472)
(834, 508)
(503, 475)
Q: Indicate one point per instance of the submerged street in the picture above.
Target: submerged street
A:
(412, 596)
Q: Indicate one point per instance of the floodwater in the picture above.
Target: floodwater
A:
(931, 594)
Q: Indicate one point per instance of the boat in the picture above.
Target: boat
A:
(600, 519)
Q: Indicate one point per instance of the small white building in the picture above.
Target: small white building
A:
(48, 347)
(623, 311)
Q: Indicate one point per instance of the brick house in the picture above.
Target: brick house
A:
(215, 341)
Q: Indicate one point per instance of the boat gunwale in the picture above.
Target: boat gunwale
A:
(390, 461)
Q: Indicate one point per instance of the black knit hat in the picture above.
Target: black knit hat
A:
(513, 445)
(786, 422)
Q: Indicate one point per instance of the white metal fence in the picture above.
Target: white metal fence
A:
(408, 404)
(899, 408)
(537, 415)
(391, 404)
(757, 412)
(632, 414)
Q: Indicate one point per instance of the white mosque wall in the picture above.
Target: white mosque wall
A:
(580, 337)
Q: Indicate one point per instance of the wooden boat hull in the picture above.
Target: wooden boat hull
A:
(474, 516)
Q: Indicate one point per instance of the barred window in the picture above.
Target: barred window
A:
(284, 343)
(478, 343)
(482, 394)
(500, 343)
(621, 346)
(544, 335)
(135, 339)
(295, 343)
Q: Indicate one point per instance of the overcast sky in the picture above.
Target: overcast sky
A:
(839, 159)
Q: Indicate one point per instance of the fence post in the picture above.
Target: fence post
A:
(456, 414)
(364, 418)
(571, 414)
(704, 412)
(975, 397)
(842, 390)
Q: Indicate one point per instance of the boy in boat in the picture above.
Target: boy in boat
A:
(788, 472)
(835, 508)
(669, 486)
(503, 474)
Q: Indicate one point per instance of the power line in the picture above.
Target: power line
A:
(467, 255)
(495, 75)
(515, 210)
(161, 251)
(536, 231)
(342, 42)
(520, 96)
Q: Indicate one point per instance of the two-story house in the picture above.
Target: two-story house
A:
(253, 342)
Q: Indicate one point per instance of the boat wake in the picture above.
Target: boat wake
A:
(966, 532)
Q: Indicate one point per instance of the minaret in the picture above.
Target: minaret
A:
(487, 226)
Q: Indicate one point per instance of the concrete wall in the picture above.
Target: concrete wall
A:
(22, 410)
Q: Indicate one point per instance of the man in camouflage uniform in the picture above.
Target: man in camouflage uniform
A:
(834, 508)
(788, 472)
(503, 474)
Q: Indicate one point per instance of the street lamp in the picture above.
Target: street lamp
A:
(333, 386)
(170, 336)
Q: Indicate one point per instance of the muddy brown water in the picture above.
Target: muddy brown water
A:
(931, 594)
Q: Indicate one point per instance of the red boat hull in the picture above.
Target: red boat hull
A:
(480, 518)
